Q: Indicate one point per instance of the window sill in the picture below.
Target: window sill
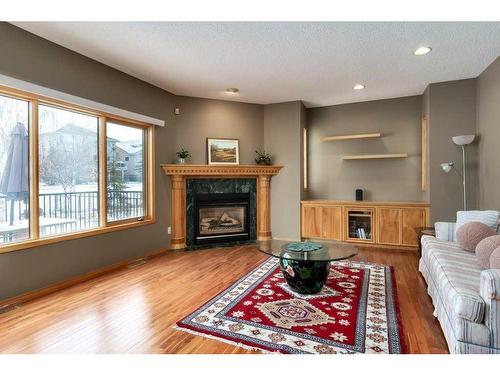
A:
(72, 236)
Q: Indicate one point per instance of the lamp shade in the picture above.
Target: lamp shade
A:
(446, 167)
(462, 140)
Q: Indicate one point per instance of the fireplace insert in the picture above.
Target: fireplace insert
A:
(221, 218)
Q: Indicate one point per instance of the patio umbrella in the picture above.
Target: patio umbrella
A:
(14, 182)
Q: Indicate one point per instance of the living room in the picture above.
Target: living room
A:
(249, 187)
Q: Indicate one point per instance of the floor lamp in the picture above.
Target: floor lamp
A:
(460, 140)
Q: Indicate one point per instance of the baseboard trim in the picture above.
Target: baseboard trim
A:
(287, 239)
(42, 292)
(386, 247)
(373, 245)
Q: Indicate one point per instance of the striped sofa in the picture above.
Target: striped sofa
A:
(466, 297)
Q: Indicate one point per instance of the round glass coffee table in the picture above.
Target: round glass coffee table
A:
(305, 265)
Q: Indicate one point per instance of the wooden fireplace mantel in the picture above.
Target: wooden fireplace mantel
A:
(179, 173)
(220, 170)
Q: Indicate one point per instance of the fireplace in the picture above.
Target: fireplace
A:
(221, 217)
(189, 180)
(220, 211)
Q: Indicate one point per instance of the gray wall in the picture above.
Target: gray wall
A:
(488, 128)
(399, 121)
(452, 111)
(206, 118)
(283, 123)
(28, 57)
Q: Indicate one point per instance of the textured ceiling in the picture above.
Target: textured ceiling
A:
(278, 61)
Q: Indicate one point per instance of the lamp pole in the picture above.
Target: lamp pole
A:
(464, 178)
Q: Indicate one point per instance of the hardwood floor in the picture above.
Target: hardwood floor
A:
(133, 310)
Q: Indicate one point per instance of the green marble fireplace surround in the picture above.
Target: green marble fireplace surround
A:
(196, 186)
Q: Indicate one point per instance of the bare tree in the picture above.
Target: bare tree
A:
(57, 168)
(68, 163)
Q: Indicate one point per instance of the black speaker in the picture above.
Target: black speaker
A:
(359, 194)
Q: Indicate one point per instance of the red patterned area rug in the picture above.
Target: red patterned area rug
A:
(356, 312)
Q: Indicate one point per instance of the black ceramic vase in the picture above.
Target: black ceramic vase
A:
(305, 276)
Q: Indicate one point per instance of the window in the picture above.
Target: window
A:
(14, 170)
(125, 177)
(68, 177)
(82, 171)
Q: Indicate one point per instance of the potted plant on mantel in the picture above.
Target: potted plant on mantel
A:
(182, 156)
(263, 158)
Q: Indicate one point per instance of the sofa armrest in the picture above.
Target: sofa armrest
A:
(489, 288)
(445, 231)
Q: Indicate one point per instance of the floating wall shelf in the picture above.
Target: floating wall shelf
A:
(350, 136)
(381, 156)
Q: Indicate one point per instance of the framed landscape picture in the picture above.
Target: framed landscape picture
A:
(223, 151)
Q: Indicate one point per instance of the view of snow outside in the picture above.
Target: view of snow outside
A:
(12, 111)
(14, 116)
(125, 165)
(68, 159)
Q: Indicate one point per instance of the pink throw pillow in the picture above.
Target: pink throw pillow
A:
(470, 234)
(485, 248)
(495, 259)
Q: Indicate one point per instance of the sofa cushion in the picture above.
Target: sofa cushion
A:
(445, 231)
(470, 234)
(456, 274)
(488, 217)
(495, 259)
(485, 248)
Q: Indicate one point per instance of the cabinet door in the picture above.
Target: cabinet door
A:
(331, 221)
(389, 226)
(359, 225)
(412, 218)
(311, 221)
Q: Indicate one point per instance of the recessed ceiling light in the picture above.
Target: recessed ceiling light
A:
(232, 90)
(422, 51)
(359, 86)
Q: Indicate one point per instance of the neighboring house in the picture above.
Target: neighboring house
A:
(81, 144)
(68, 153)
(128, 156)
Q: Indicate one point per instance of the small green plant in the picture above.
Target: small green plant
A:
(263, 157)
(183, 154)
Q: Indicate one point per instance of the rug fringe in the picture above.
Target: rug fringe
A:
(238, 344)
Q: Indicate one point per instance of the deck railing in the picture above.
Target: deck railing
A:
(80, 208)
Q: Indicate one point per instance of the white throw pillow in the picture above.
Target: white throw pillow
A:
(445, 231)
(489, 217)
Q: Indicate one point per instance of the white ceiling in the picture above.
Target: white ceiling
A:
(278, 61)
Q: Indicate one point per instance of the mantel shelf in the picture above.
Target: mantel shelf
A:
(380, 156)
(350, 136)
(220, 170)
